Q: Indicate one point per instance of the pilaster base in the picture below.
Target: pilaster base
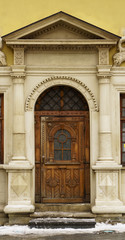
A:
(10, 209)
(107, 188)
(104, 209)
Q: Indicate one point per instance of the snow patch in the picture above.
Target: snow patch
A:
(25, 230)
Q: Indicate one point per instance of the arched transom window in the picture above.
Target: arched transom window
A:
(61, 98)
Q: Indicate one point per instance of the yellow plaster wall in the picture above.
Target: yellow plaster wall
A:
(106, 14)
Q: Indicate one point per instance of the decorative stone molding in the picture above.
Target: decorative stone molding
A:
(19, 184)
(3, 88)
(60, 80)
(107, 185)
(18, 78)
(119, 57)
(64, 25)
(18, 73)
(2, 55)
(104, 73)
(18, 56)
(103, 56)
(87, 48)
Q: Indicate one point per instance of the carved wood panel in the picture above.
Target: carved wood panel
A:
(63, 177)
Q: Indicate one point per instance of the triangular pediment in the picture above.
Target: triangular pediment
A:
(61, 30)
(57, 27)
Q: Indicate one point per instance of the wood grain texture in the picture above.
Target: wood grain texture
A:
(62, 181)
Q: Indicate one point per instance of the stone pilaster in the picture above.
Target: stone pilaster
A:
(105, 143)
(106, 169)
(19, 168)
(18, 77)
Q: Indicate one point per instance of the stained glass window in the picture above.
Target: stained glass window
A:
(61, 98)
(62, 145)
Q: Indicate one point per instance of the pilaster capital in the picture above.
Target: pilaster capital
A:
(104, 73)
(18, 73)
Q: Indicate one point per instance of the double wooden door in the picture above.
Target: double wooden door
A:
(62, 159)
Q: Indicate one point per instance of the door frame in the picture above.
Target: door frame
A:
(85, 114)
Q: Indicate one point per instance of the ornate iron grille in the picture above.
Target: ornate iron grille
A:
(61, 98)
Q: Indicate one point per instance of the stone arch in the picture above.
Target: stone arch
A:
(60, 80)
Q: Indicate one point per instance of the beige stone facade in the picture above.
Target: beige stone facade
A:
(61, 50)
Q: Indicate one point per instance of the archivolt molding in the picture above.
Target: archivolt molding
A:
(60, 80)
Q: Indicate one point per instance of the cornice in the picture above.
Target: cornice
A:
(118, 71)
(5, 71)
(61, 42)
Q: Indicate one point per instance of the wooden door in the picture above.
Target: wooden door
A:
(62, 159)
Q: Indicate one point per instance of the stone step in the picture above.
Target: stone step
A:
(60, 214)
(61, 223)
(77, 207)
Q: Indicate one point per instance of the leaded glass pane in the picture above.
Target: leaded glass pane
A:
(123, 137)
(123, 157)
(123, 112)
(57, 133)
(123, 102)
(123, 147)
(123, 126)
(57, 144)
(66, 155)
(61, 98)
(62, 138)
(57, 155)
(62, 145)
(67, 144)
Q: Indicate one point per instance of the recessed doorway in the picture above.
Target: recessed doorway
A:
(62, 152)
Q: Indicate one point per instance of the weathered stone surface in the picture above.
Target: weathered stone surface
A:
(63, 207)
(20, 219)
(62, 223)
(62, 214)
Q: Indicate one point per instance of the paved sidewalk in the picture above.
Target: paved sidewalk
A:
(92, 236)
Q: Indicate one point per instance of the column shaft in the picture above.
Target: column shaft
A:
(18, 116)
(105, 152)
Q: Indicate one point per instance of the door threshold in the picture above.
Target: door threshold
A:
(63, 207)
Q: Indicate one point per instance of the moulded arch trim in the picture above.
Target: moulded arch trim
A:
(60, 80)
(65, 127)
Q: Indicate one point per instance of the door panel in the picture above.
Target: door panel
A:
(62, 159)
